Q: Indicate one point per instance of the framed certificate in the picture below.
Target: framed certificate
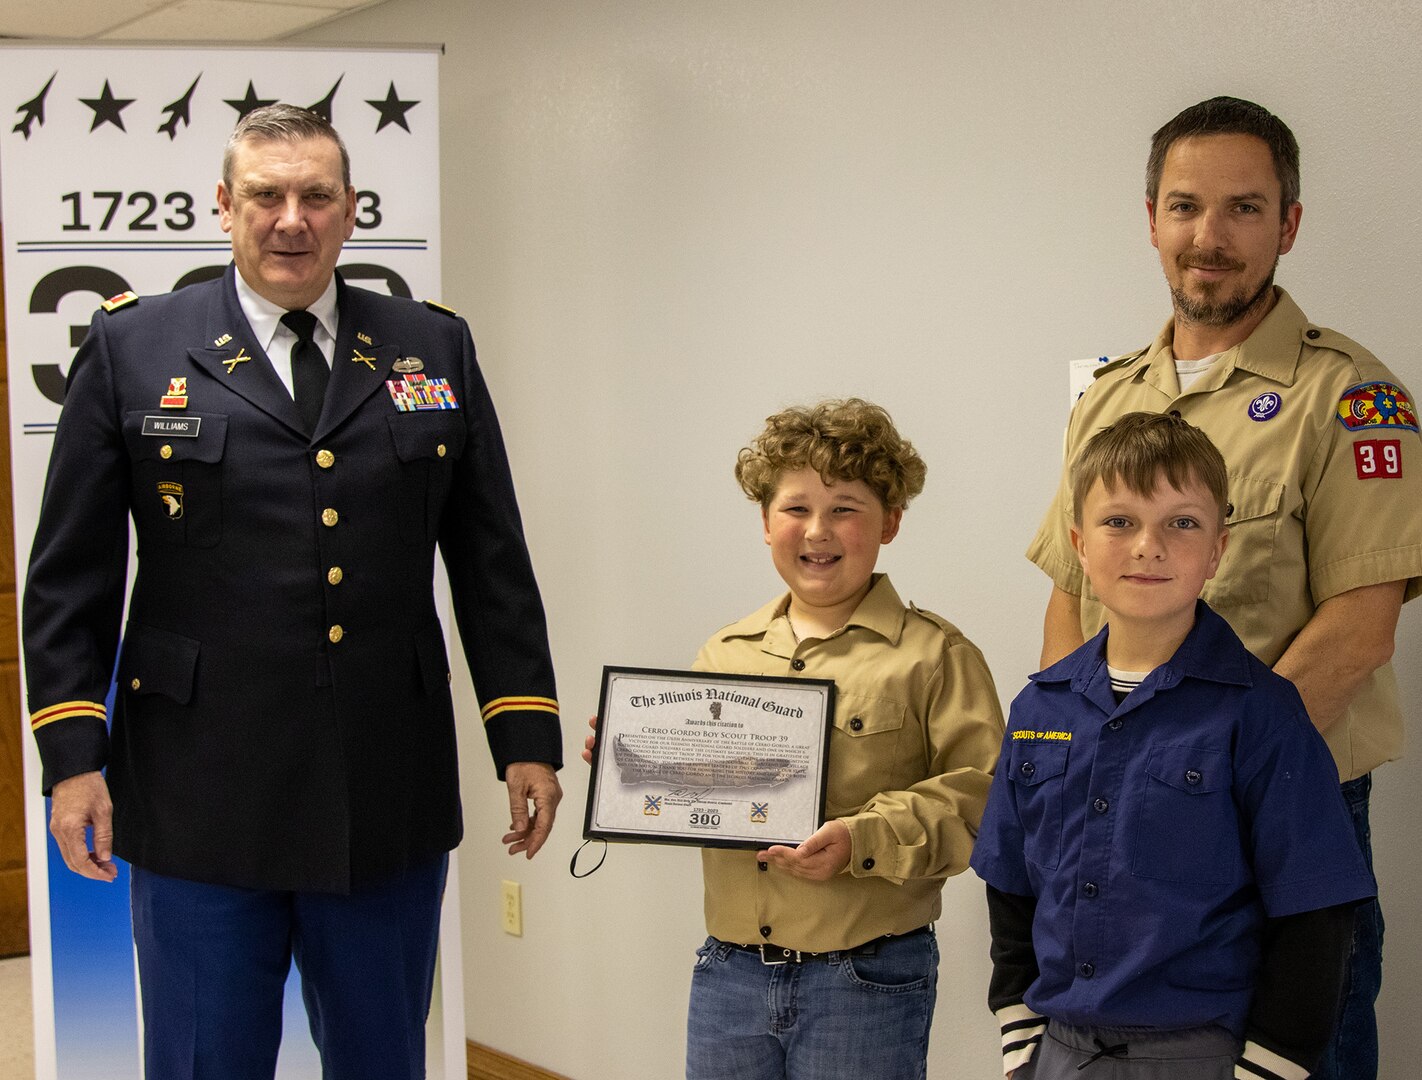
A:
(685, 757)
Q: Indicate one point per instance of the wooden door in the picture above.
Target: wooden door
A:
(14, 906)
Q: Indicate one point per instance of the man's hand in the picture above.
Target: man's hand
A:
(536, 782)
(590, 741)
(819, 858)
(78, 803)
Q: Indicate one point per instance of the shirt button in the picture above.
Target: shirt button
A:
(329, 517)
(1311, 334)
(798, 665)
(1100, 806)
(165, 451)
(440, 450)
(1192, 776)
(868, 864)
(134, 685)
(1090, 888)
(336, 633)
(1087, 970)
(1027, 769)
(325, 458)
(1229, 511)
(762, 867)
(334, 575)
(856, 724)
(1175, 413)
(1116, 725)
(765, 931)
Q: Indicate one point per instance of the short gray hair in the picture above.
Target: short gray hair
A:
(282, 123)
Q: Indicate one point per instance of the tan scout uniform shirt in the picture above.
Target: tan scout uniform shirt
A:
(917, 728)
(1316, 511)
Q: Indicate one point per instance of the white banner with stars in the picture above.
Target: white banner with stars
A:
(109, 162)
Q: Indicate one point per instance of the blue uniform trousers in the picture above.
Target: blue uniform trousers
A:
(213, 962)
(1353, 1054)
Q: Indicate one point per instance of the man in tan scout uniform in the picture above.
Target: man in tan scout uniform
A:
(1325, 467)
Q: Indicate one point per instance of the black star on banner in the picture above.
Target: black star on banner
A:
(33, 110)
(107, 108)
(392, 110)
(251, 101)
(178, 112)
(322, 108)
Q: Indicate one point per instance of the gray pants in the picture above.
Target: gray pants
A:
(1204, 1053)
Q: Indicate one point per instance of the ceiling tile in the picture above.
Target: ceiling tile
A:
(221, 20)
(72, 19)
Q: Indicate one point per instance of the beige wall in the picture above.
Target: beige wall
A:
(666, 218)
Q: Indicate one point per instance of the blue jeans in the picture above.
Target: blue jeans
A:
(1353, 1054)
(832, 1017)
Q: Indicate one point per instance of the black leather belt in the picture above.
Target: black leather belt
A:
(774, 955)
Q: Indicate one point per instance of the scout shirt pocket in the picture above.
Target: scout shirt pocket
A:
(863, 750)
(427, 445)
(176, 497)
(155, 661)
(1243, 576)
(1187, 829)
(1036, 769)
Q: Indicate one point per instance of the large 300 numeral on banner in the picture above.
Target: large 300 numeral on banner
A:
(103, 283)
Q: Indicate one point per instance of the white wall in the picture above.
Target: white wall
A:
(667, 218)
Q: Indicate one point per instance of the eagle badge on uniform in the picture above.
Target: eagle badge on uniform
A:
(177, 395)
(171, 495)
(1377, 404)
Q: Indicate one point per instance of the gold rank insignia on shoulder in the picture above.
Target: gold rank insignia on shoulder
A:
(177, 395)
(361, 358)
(123, 299)
(441, 309)
(240, 358)
(407, 365)
(364, 339)
(223, 340)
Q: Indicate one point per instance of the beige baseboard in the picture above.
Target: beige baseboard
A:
(486, 1063)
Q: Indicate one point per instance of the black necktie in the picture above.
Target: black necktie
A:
(309, 373)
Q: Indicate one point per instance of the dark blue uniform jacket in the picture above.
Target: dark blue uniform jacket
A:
(283, 715)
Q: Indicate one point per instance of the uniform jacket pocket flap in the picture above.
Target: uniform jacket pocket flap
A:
(434, 434)
(857, 716)
(158, 662)
(1187, 769)
(186, 436)
(1250, 499)
(1035, 761)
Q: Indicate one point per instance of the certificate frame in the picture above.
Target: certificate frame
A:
(705, 759)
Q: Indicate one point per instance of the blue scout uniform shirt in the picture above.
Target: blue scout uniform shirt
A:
(1158, 834)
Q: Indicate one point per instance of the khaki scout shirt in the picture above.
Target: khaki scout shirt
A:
(1318, 508)
(917, 728)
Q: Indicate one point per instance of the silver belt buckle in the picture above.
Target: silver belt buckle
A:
(778, 963)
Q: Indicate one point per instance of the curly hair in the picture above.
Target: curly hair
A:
(850, 439)
(1140, 449)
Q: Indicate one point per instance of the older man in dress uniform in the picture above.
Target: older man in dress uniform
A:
(281, 754)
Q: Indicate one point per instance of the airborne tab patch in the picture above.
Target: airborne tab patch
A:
(1377, 404)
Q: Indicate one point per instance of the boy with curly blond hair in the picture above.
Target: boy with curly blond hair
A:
(821, 960)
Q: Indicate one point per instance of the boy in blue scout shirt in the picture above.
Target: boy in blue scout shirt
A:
(1170, 867)
(822, 961)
